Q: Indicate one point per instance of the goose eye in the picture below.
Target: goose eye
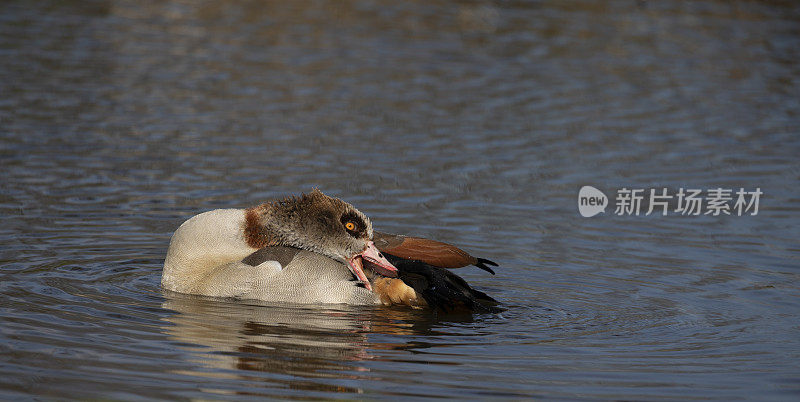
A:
(350, 226)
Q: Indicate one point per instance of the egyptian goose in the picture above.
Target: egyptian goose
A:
(309, 249)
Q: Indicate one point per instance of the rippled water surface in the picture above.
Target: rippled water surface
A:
(474, 123)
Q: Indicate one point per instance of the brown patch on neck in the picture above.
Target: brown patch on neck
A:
(255, 234)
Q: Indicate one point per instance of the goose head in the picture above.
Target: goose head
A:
(322, 224)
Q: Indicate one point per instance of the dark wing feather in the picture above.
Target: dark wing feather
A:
(441, 288)
(282, 254)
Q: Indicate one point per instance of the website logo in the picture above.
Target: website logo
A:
(591, 201)
(685, 201)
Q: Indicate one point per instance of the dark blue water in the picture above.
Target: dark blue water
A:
(474, 123)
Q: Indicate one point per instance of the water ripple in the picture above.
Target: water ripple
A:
(469, 123)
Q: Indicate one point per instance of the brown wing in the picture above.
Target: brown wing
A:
(429, 251)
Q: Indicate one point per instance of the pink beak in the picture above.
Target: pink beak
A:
(378, 263)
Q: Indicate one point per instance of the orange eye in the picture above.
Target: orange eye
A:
(350, 226)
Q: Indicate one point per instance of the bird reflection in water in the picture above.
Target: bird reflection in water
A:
(313, 345)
